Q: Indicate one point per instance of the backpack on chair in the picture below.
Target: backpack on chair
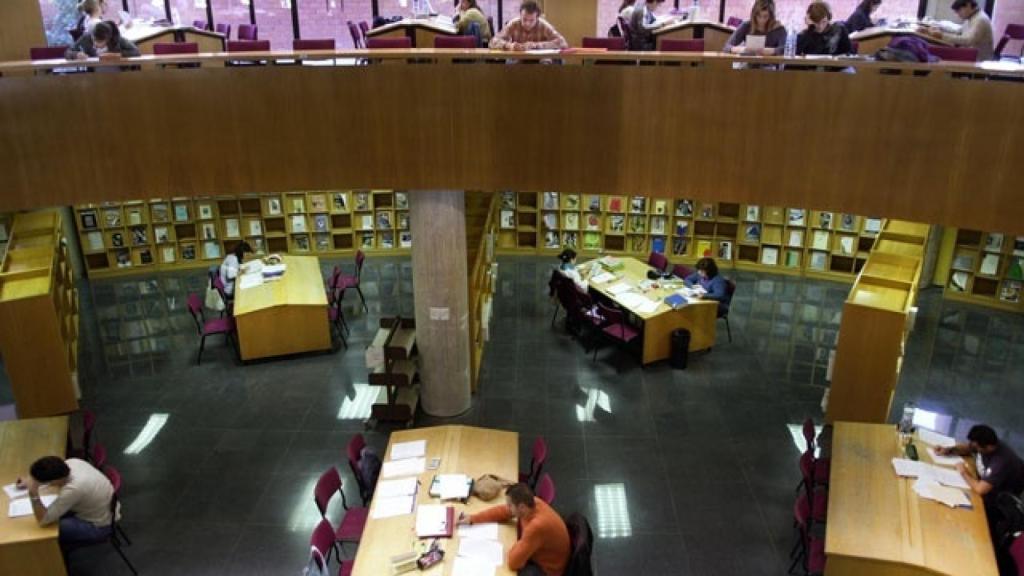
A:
(581, 546)
(369, 468)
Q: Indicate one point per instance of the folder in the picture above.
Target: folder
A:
(435, 521)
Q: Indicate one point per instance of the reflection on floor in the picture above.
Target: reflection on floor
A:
(680, 472)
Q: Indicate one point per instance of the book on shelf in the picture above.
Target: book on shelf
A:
(819, 260)
(725, 250)
(569, 239)
(989, 265)
(846, 245)
(994, 243)
(796, 217)
(638, 204)
(405, 239)
(167, 254)
(657, 224)
(592, 241)
(551, 200)
(572, 221)
(684, 208)
(111, 218)
(123, 258)
(551, 239)
(181, 212)
(301, 242)
(508, 200)
(679, 245)
(792, 259)
(145, 256)
(362, 201)
(274, 207)
(796, 238)
(366, 240)
(317, 203)
(872, 225)
(322, 242)
(231, 228)
(298, 223)
(958, 281)
(1010, 291)
(339, 202)
(139, 236)
(255, 228)
(752, 232)
(116, 240)
(508, 220)
(134, 216)
(401, 201)
(403, 220)
(387, 240)
(769, 255)
(1015, 270)
(593, 221)
(658, 244)
(753, 214)
(819, 240)
(637, 243)
(638, 224)
(211, 249)
(158, 212)
(188, 251)
(88, 219)
(703, 248)
(963, 261)
(594, 203)
(298, 205)
(366, 222)
(825, 220)
(320, 223)
(205, 211)
(682, 228)
(707, 211)
(615, 204)
(616, 223)
(209, 231)
(1018, 246)
(847, 223)
(94, 241)
(660, 206)
(257, 245)
(550, 220)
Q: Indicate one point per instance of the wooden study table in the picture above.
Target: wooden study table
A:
(715, 34)
(421, 31)
(284, 316)
(698, 316)
(462, 450)
(878, 525)
(26, 549)
(871, 40)
(145, 35)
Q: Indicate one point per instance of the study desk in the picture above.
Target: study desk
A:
(878, 525)
(462, 450)
(715, 34)
(284, 316)
(698, 316)
(871, 40)
(145, 35)
(26, 549)
(421, 31)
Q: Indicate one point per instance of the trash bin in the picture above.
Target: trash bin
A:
(680, 348)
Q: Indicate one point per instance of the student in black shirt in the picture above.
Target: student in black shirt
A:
(822, 36)
(861, 17)
(1001, 470)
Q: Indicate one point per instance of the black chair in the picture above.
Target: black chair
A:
(723, 310)
(581, 542)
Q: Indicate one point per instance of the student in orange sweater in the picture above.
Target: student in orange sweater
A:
(543, 547)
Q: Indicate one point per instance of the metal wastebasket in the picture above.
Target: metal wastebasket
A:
(680, 348)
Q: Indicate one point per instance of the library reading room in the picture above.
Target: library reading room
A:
(511, 287)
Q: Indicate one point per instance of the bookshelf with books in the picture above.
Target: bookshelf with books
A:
(38, 295)
(986, 268)
(179, 233)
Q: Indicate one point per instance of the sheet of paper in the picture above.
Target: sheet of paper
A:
(401, 487)
(943, 460)
(393, 505)
(414, 449)
(431, 520)
(603, 278)
(407, 467)
(911, 468)
(932, 490)
(487, 551)
(648, 307)
(755, 42)
(23, 506)
(13, 492)
(488, 531)
(453, 486)
(631, 299)
(949, 477)
(247, 281)
(543, 51)
(935, 439)
(471, 567)
(620, 288)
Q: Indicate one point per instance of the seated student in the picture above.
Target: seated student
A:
(232, 266)
(543, 546)
(104, 39)
(82, 506)
(861, 17)
(762, 23)
(470, 12)
(822, 36)
(91, 14)
(568, 268)
(975, 32)
(626, 9)
(1000, 470)
(707, 277)
(642, 24)
(528, 32)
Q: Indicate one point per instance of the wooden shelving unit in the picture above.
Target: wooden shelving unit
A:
(874, 326)
(986, 268)
(5, 233)
(39, 310)
(798, 241)
(398, 374)
(182, 233)
(481, 234)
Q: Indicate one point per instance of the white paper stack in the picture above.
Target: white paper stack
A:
(431, 520)
(935, 439)
(482, 549)
(603, 278)
(13, 491)
(471, 567)
(399, 468)
(916, 469)
(943, 460)
(404, 450)
(453, 486)
(616, 289)
(395, 497)
(480, 552)
(23, 506)
(247, 281)
(932, 490)
(487, 531)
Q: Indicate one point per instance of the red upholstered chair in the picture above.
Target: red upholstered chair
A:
(248, 32)
(357, 35)
(321, 543)
(669, 45)
(734, 22)
(618, 44)
(954, 54)
(354, 522)
(538, 456)
(363, 29)
(466, 42)
(682, 271)
(546, 489)
(657, 260)
(98, 456)
(47, 52)
(200, 25)
(206, 327)
(854, 47)
(224, 29)
(313, 44)
(615, 327)
(352, 281)
(249, 46)
(335, 315)
(809, 549)
(115, 534)
(163, 48)
(1013, 32)
(354, 455)
(1017, 553)
(723, 311)
(399, 43)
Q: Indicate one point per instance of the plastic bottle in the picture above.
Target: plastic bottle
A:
(790, 44)
(907, 421)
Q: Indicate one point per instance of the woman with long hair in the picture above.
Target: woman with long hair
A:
(762, 23)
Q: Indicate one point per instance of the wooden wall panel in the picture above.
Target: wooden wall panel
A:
(21, 28)
(935, 149)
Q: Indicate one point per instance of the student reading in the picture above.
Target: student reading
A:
(528, 32)
(999, 470)
(642, 24)
(975, 32)
(104, 39)
(231, 266)
(708, 278)
(822, 36)
(861, 17)
(762, 23)
(543, 545)
(468, 14)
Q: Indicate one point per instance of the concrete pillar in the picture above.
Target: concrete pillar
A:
(440, 289)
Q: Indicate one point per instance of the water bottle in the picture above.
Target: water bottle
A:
(907, 421)
(790, 44)
(695, 14)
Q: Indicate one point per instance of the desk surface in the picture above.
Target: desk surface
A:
(886, 31)
(633, 273)
(21, 443)
(878, 525)
(462, 449)
(301, 285)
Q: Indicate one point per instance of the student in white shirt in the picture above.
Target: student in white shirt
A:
(82, 506)
(975, 32)
(568, 268)
(232, 266)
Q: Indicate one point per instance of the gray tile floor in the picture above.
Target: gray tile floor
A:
(680, 472)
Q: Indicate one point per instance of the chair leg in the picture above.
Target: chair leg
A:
(554, 316)
(123, 535)
(202, 344)
(360, 292)
(728, 329)
(117, 546)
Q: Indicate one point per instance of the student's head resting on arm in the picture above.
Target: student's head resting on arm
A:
(707, 268)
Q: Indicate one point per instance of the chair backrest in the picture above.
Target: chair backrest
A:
(364, 27)
(195, 308)
(1000, 46)
(114, 476)
(248, 32)
(1012, 32)
(606, 43)
(47, 52)
(734, 22)
(357, 36)
(730, 289)
(538, 456)
(581, 545)
(670, 45)
(175, 48)
(802, 511)
(224, 29)
(657, 260)
(199, 24)
(954, 53)
(322, 541)
(355, 447)
(98, 455)
(546, 488)
(681, 271)
(490, 25)
(313, 44)
(854, 47)
(1017, 553)
(611, 315)
(218, 284)
(249, 46)
(809, 434)
(403, 42)
(328, 484)
(467, 42)
(360, 257)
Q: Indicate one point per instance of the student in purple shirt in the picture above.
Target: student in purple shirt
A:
(708, 278)
(1000, 469)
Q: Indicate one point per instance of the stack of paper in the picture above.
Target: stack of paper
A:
(480, 552)
(943, 460)
(453, 486)
(407, 467)
(935, 439)
(932, 490)
(13, 491)
(247, 281)
(603, 277)
(433, 520)
(23, 506)
(394, 497)
(621, 287)
(404, 450)
(916, 469)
